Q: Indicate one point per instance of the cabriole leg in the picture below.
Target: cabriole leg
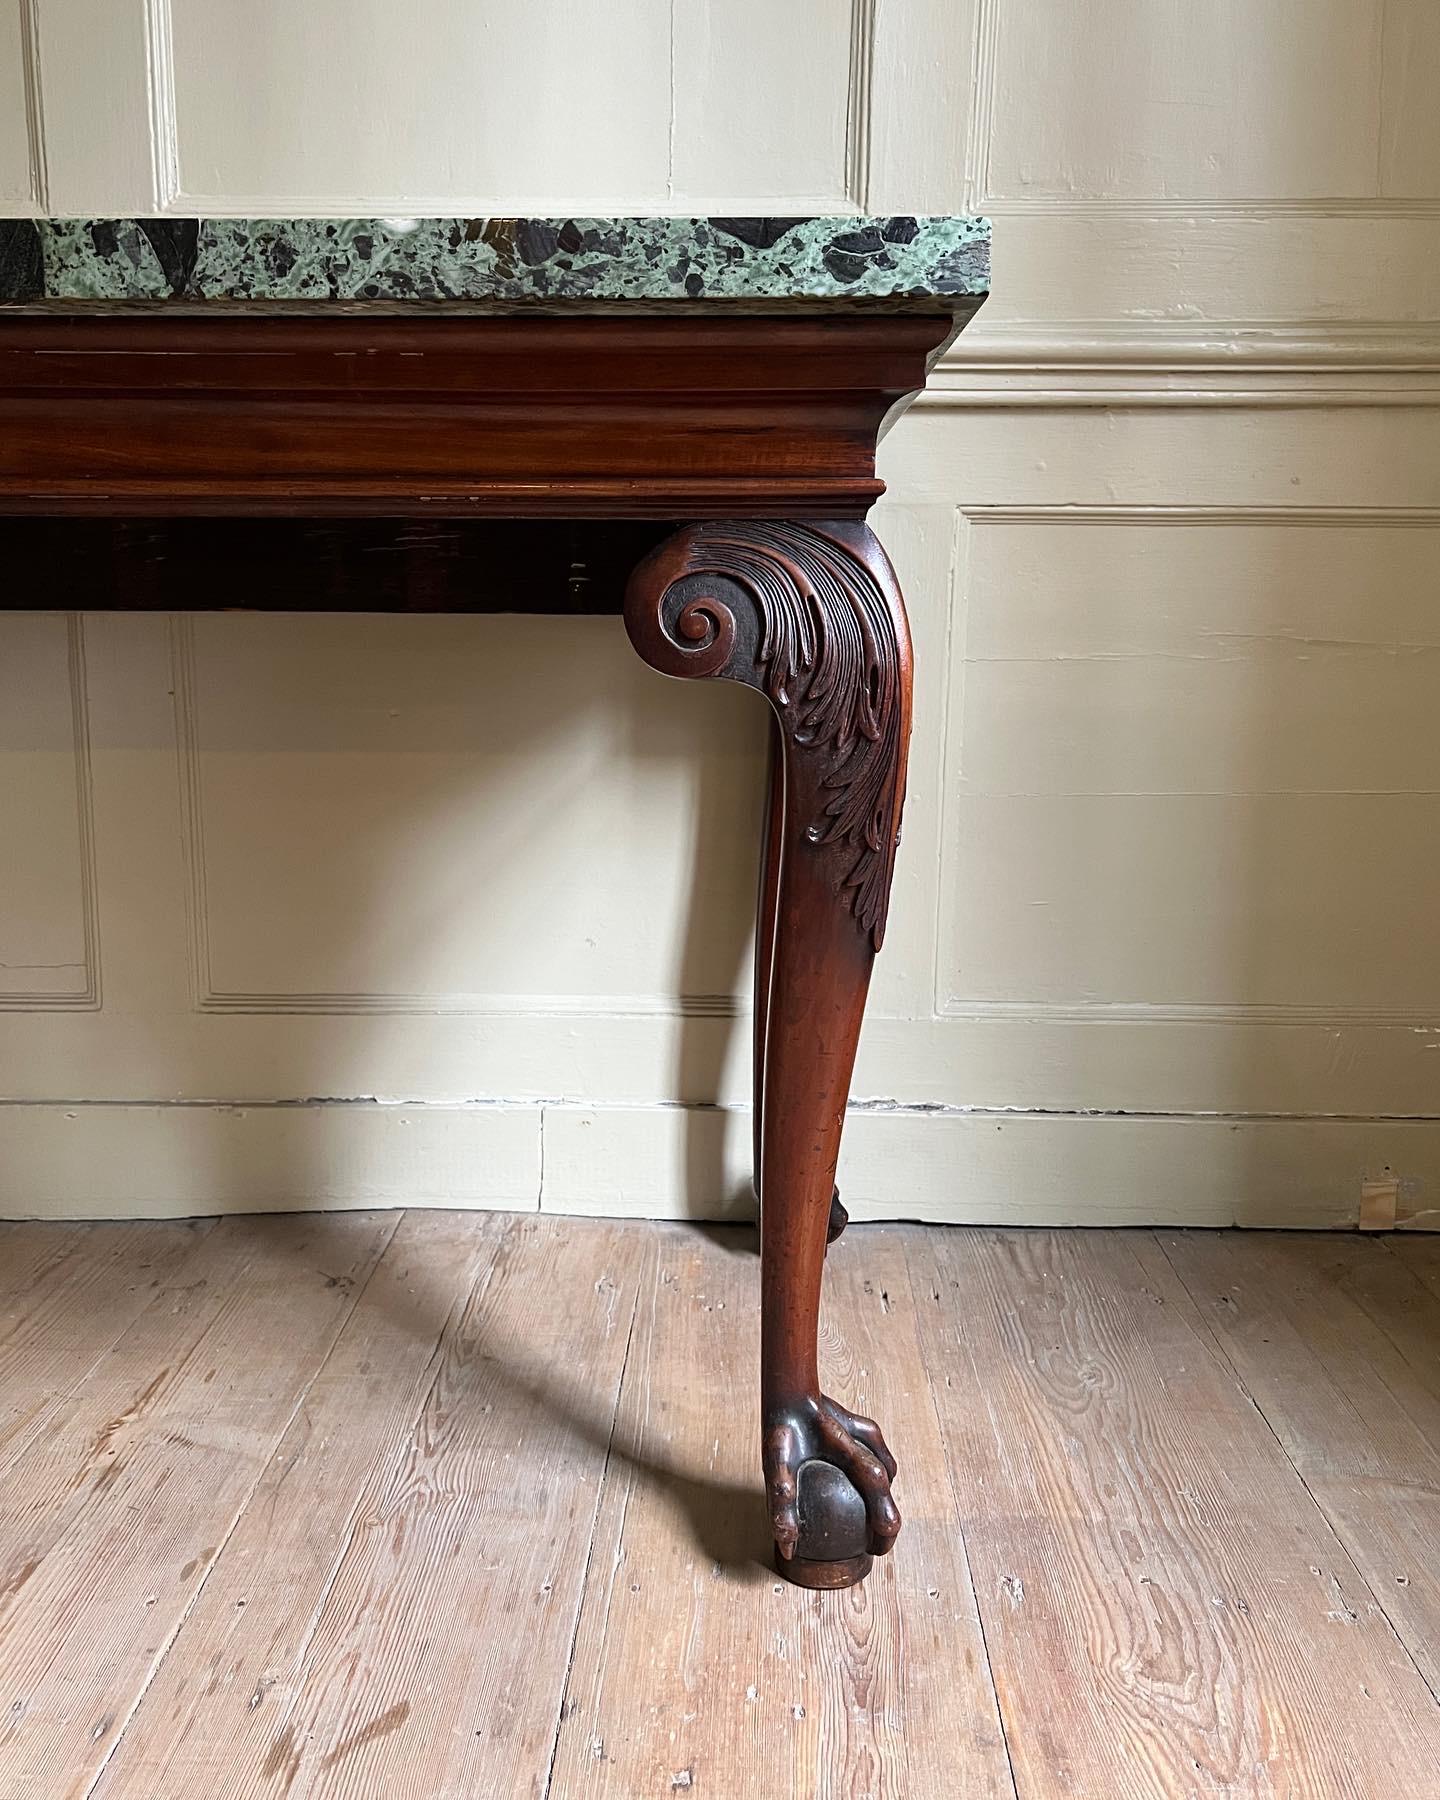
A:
(812, 617)
(765, 955)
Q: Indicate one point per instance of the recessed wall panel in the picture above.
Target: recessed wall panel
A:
(439, 814)
(46, 879)
(1194, 765)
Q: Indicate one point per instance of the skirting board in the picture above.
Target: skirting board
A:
(99, 1160)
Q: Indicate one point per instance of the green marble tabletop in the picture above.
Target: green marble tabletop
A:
(891, 263)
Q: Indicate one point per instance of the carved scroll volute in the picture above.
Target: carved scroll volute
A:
(810, 615)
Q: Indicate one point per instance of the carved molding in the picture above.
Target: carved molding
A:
(811, 616)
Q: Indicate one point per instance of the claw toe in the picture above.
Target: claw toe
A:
(884, 1524)
(859, 1475)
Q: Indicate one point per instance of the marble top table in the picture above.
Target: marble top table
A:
(210, 412)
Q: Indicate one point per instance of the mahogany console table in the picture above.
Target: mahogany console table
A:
(676, 418)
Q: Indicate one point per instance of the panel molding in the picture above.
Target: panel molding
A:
(34, 104)
(206, 996)
(164, 121)
(1159, 513)
(859, 103)
(984, 73)
(1147, 516)
(89, 998)
(1205, 206)
(1174, 363)
(399, 207)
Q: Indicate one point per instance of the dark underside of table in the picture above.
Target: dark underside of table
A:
(707, 475)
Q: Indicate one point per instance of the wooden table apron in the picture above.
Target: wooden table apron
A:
(708, 475)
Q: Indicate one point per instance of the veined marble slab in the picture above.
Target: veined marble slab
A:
(896, 262)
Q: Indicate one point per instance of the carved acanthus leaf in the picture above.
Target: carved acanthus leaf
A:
(828, 655)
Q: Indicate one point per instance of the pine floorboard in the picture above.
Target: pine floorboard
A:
(438, 1506)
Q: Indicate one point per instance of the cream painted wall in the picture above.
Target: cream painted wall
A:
(286, 917)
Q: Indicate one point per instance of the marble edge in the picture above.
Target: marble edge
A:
(900, 262)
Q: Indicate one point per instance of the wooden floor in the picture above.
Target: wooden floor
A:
(444, 1505)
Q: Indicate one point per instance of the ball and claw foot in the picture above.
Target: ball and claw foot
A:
(827, 1477)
